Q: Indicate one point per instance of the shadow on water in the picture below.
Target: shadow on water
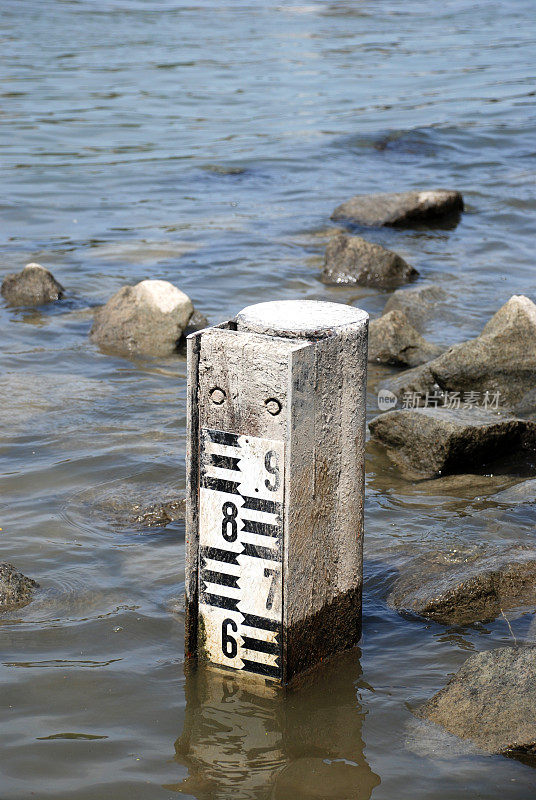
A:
(245, 738)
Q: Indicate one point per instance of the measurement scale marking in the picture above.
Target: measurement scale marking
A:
(220, 601)
(260, 668)
(261, 528)
(214, 553)
(220, 484)
(262, 623)
(221, 578)
(258, 504)
(224, 462)
(261, 646)
(261, 552)
(222, 437)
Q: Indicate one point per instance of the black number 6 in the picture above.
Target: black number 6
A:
(229, 645)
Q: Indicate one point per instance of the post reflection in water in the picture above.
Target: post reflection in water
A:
(245, 739)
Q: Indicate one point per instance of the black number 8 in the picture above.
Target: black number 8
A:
(230, 512)
(229, 645)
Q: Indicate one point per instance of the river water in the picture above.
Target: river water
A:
(206, 143)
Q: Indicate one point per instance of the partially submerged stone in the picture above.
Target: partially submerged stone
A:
(429, 442)
(394, 341)
(33, 286)
(158, 515)
(16, 590)
(523, 492)
(400, 208)
(491, 701)
(148, 318)
(475, 587)
(419, 303)
(500, 362)
(353, 260)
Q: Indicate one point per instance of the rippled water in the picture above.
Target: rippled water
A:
(207, 144)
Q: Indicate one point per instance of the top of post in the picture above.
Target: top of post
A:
(299, 319)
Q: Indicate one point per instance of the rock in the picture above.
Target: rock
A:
(428, 442)
(16, 590)
(467, 588)
(500, 362)
(527, 404)
(161, 514)
(350, 259)
(148, 318)
(33, 286)
(491, 701)
(419, 303)
(392, 340)
(400, 208)
(524, 492)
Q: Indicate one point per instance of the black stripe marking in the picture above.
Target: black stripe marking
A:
(252, 621)
(257, 504)
(221, 437)
(262, 528)
(216, 554)
(230, 603)
(219, 485)
(260, 646)
(224, 462)
(261, 669)
(210, 576)
(261, 552)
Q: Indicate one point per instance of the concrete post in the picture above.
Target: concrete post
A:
(275, 469)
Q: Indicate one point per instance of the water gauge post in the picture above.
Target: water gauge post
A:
(275, 470)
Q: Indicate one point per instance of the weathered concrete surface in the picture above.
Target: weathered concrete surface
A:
(419, 303)
(471, 588)
(33, 286)
(429, 442)
(353, 260)
(16, 589)
(502, 359)
(400, 208)
(148, 318)
(491, 701)
(394, 341)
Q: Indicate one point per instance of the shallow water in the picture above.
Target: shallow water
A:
(207, 144)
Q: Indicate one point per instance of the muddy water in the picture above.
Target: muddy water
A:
(206, 144)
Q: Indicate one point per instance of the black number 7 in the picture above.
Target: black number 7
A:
(273, 573)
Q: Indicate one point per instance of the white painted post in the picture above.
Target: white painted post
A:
(276, 430)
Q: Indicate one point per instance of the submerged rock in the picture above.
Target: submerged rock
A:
(160, 514)
(400, 208)
(393, 340)
(428, 442)
(350, 259)
(500, 362)
(524, 492)
(491, 701)
(148, 318)
(16, 590)
(33, 286)
(419, 303)
(475, 587)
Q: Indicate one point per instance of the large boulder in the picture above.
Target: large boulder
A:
(491, 701)
(500, 362)
(148, 318)
(16, 590)
(400, 208)
(429, 442)
(419, 303)
(394, 341)
(33, 286)
(350, 259)
(473, 587)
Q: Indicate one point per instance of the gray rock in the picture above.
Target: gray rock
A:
(393, 340)
(429, 442)
(491, 701)
(474, 587)
(161, 514)
(501, 360)
(196, 323)
(419, 303)
(16, 589)
(33, 286)
(400, 208)
(148, 318)
(350, 259)
(527, 404)
(524, 492)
